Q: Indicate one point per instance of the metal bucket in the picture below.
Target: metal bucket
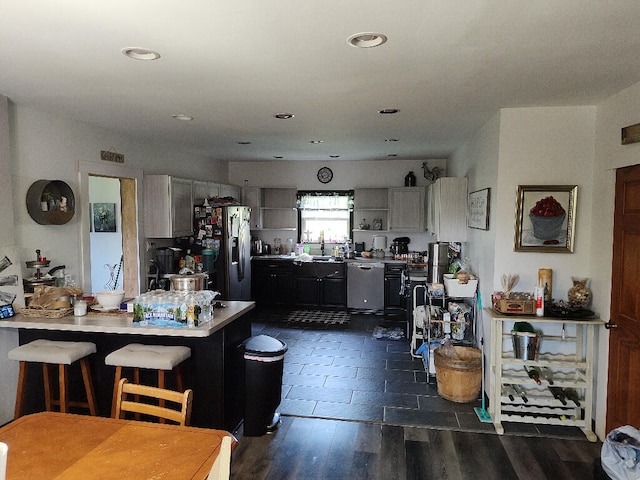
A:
(525, 345)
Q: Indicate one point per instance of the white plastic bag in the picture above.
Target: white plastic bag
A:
(620, 455)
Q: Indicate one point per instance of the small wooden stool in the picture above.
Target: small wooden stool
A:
(51, 352)
(163, 358)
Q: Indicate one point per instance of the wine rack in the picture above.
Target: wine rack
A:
(566, 359)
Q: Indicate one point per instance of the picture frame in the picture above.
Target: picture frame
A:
(478, 209)
(545, 218)
(103, 216)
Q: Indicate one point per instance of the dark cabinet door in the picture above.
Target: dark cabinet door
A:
(393, 299)
(271, 283)
(320, 285)
(306, 291)
(334, 292)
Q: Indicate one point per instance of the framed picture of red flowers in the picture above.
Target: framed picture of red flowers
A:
(545, 218)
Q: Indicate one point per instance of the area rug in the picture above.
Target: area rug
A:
(325, 317)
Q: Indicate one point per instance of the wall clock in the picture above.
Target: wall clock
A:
(325, 174)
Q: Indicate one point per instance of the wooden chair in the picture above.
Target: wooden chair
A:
(160, 395)
(221, 468)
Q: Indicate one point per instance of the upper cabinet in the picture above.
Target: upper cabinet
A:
(202, 190)
(168, 210)
(252, 198)
(371, 205)
(406, 209)
(271, 208)
(232, 191)
(447, 209)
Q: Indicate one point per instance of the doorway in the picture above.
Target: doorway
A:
(623, 388)
(113, 239)
(126, 243)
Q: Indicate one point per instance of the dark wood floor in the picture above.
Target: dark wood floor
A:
(310, 444)
(309, 448)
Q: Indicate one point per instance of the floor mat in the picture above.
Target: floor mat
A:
(318, 316)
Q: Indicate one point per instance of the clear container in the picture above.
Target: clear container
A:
(277, 245)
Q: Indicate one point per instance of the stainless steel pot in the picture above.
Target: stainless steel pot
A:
(189, 282)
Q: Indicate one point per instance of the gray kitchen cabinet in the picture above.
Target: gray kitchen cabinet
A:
(279, 209)
(232, 191)
(447, 209)
(168, 206)
(320, 284)
(406, 209)
(203, 189)
(252, 198)
(370, 204)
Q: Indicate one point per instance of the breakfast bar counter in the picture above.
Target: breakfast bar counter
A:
(215, 370)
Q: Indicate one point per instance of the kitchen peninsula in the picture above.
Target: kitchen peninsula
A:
(215, 370)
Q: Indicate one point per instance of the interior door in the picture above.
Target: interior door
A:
(623, 391)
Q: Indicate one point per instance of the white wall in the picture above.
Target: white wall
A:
(106, 247)
(46, 146)
(346, 175)
(613, 114)
(8, 337)
(544, 146)
(36, 145)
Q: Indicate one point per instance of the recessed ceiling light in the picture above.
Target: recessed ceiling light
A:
(388, 111)
(391, 139)
(182, 116)
(284, 116)
(366, 40)
(316, 141)
(139, 53)
(334, 156)
(244, 143)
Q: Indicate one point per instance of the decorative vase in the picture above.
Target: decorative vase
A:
(579, 295)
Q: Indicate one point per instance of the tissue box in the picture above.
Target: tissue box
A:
(457, 289)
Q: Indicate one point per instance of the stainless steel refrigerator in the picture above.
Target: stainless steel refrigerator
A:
(225, 229)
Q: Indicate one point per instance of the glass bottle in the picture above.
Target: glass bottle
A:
(410, 180)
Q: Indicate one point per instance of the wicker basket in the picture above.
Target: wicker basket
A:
(44, 313)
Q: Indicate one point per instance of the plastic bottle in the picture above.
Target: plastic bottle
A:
(189, 261)
(539, 296)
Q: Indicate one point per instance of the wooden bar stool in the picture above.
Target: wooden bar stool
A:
(51, 352)
(163, 358)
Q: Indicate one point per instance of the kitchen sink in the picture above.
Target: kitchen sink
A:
(326, 258)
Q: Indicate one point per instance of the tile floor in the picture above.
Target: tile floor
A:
(345, 373)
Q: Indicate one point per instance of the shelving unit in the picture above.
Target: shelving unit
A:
(436, 327)
(567, 350)
(278, 210)
(369, 204)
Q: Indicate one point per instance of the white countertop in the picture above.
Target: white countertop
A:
(123, 324)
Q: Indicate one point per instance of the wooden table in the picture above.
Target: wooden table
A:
(52, 445)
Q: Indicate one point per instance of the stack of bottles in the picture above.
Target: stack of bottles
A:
(176, 309)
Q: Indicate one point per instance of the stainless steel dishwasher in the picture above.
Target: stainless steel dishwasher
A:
(365, 285)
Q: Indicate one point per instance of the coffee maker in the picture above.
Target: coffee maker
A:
(400, 245)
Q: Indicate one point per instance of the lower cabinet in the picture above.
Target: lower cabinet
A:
(394, 297)
(271, 282)
(320, 285)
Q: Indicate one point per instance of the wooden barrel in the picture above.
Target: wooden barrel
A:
(459, 377)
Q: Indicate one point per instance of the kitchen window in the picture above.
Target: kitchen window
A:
(325, 216)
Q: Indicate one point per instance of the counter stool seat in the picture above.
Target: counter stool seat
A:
(163, 358)
(52, 352)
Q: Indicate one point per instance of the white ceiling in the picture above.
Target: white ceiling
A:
(448, 66)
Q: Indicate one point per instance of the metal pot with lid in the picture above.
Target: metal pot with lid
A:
(189, 282)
